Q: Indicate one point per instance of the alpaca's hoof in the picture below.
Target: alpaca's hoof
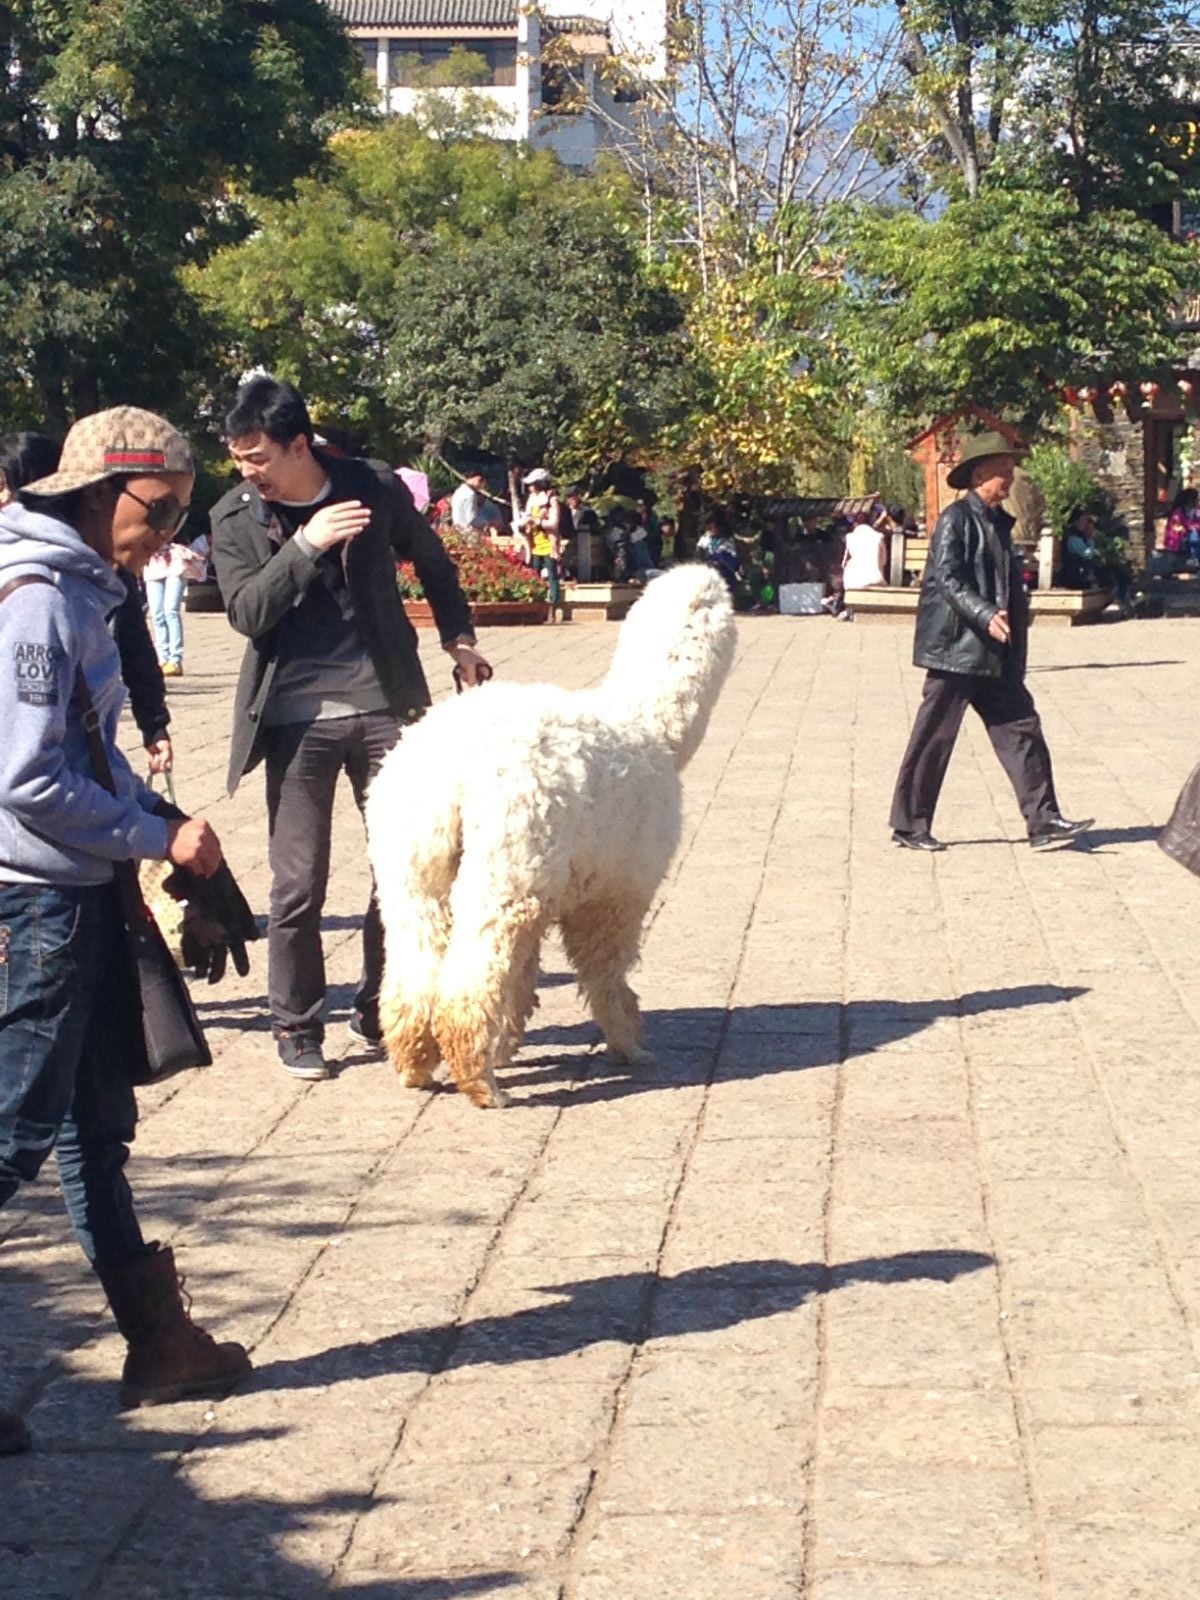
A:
(638, 1056)
(488, 1097)
(416, 1077)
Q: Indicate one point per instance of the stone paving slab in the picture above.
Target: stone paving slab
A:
(883, 1285)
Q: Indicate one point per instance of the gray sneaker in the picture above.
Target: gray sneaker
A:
(301, 1056)
(366, 1031)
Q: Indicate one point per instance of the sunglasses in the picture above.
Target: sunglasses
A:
(164, 515)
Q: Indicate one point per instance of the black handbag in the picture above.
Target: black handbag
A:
(174, 1038)
(173, 1035)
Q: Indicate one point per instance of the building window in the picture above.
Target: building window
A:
(370, 55)
(563, 92)
(454, 63)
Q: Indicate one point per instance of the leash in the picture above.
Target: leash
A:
(168, 778)
(483, 673)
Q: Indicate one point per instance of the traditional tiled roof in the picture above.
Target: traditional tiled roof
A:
(591, 36)
(426, 13)
(575, 24)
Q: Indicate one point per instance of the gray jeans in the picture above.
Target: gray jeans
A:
(303, 762)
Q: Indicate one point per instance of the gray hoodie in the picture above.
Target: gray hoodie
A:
(57, 824)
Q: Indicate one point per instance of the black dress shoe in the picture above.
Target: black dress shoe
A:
(1059, 831)
(917, 841)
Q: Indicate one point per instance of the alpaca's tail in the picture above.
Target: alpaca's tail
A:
(414, 832)
(673, 654)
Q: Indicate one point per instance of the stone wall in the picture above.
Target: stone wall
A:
(1114, 452)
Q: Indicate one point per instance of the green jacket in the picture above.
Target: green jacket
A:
(261, 580)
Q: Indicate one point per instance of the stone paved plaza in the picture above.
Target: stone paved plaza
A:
(884, 1285)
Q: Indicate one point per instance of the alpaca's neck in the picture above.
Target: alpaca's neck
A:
(671, 698)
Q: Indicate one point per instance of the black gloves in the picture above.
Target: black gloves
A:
(217, 922)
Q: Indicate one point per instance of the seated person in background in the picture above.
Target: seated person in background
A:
(1183, 526)
(668, 529)
(1078, 568)
(617, 538)
(641, 556)
(1086, 567)
(718, 548)
(864, 560)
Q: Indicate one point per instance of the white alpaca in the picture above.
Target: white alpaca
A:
(520, 806)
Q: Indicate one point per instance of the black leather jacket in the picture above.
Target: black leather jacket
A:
(972, 572)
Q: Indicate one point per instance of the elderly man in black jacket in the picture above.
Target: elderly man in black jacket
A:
(972, 633)
(305, 553)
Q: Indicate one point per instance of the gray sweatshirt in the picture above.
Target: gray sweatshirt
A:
(57, 824)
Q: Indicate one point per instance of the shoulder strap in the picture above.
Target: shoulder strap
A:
(125, 873)
(19, 583)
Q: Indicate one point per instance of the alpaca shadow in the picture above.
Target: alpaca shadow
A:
(693, 1046)
(627, 1307)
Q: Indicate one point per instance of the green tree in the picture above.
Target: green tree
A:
(771, 403)
(452, 290)
(1086, 94)
(1006, 299)
(133, 134)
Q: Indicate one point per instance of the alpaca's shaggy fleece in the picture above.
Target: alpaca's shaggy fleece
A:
(520, 806)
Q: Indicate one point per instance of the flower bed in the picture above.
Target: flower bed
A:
(487, 575)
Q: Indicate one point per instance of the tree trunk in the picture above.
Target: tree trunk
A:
(85, 393)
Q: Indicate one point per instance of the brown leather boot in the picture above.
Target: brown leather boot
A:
(14, 1435)
(169, 1357)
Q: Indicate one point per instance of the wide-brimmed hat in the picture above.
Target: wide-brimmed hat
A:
(977, 448)
(112, 443)
(538, 475)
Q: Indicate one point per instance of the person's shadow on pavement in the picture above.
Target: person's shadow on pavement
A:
(628, 1307)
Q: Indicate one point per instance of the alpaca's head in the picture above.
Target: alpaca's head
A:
(673, 654)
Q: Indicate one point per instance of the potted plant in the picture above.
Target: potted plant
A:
(497, 583)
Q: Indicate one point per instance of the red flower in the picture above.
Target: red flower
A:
(485, 572)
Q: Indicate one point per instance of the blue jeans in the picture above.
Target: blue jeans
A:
(68, 1006)
(165, 599)
(640, 559)
(548, 567)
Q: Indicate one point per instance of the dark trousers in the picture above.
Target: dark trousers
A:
(303, 763)
(70, 1032)
(1007, 711)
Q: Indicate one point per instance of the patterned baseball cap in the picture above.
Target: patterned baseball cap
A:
(109, 443)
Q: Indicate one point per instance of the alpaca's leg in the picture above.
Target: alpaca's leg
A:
(416, 938)
(602, 939)
(486, 992)
(523, 992)
(408, 1034)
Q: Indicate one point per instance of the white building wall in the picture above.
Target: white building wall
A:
(639, 27)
